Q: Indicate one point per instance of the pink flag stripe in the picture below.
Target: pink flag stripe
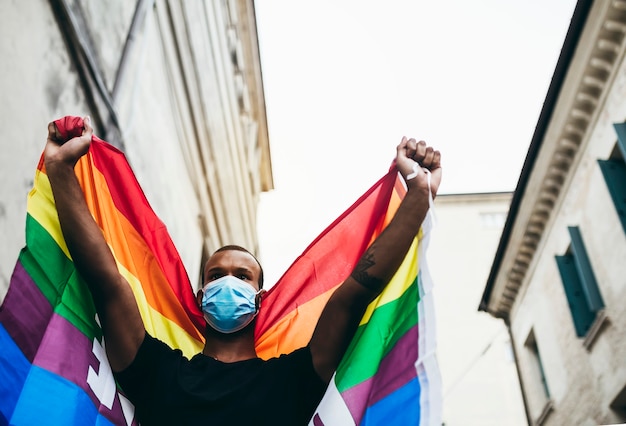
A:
(395, 370)
(25, 312)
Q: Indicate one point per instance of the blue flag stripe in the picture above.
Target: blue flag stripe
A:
(14, 369)
(386, 410)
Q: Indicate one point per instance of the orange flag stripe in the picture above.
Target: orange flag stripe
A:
(284, 337)
(131, 250)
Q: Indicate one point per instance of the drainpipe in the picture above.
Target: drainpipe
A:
(136, 27)
(73, 28)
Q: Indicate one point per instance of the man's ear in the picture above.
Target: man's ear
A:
(199, 295)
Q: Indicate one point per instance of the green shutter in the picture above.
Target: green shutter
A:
(581, 314)
(585, 272)
(614, 172)
(620, 129)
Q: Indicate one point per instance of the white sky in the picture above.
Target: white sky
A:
(346, 79)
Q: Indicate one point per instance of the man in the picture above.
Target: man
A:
(227, 383)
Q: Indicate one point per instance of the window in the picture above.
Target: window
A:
(614, 172)
(618, 405)
(579, 282)
(493, 220)
(540, 376)
(538, 392)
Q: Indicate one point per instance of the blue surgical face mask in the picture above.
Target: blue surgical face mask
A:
(229, 304)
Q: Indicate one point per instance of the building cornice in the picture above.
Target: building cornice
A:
(473, 197)
(588, 62)
(254, 79)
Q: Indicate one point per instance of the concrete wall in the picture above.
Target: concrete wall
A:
(39, 83)
(190, 108)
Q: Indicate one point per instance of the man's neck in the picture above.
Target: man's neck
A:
(238, 346)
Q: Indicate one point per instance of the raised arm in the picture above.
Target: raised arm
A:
(345, 308)
(121, 322)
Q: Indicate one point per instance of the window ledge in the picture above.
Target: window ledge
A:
(594, 331)
(545, 413)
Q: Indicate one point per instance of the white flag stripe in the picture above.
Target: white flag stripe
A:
(333, 411)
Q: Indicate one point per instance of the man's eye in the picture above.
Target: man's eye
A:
(243, 277)
(213, 277)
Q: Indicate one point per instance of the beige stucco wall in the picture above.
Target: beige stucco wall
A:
(479, 379)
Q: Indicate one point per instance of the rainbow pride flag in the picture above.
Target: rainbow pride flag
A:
(53, 364)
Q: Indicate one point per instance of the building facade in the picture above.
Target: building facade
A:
(558, 279)
(176, 85)
(479, 380)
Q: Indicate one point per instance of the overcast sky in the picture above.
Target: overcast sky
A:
(346, 79)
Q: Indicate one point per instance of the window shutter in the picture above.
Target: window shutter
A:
(585, 272)
(620, 129)
(582, 316)
(614, 172)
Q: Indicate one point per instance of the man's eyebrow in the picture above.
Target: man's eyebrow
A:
(221, 269)
(212, 270)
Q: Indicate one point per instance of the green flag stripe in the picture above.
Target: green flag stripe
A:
(376, 338)
(57, 279)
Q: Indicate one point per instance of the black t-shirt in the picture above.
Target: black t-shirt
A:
(169, 389)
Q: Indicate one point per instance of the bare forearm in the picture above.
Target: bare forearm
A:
(420, 166)
(381, 260)
(115, 303)
(343, 312)
(90, 252)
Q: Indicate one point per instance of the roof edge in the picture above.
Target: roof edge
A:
(577, 23)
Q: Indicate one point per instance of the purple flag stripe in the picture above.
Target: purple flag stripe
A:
(62, 338)
(396, 369)
(25, 312)
(317, 421)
